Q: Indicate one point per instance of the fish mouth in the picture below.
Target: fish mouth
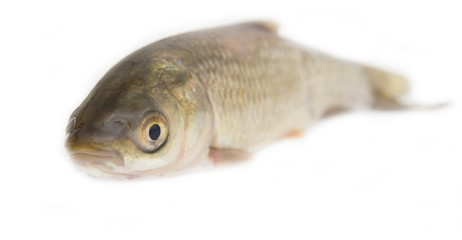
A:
(94, 160)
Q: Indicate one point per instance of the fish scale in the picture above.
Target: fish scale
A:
(250, 94)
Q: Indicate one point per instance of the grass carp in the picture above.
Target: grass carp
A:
(235, 88)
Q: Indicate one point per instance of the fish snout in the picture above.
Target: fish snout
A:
(87, 154)
(72, 136)
(96, 132)
(72, 130)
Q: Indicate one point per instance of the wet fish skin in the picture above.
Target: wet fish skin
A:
(237, 87)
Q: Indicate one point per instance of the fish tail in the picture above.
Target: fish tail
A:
(387, 87)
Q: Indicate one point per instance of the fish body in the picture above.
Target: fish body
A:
(238, 87)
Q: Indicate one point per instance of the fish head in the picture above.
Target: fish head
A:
(148, 120)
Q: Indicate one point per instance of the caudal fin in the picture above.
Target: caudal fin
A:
(389, 87)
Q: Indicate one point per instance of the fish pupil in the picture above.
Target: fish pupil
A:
(154, 132)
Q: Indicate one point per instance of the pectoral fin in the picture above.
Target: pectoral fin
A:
(224, 156)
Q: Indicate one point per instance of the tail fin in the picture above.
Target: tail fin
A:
(389, 87)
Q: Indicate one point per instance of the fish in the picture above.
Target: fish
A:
(200, 96)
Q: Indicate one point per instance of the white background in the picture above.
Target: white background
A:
(363, 175)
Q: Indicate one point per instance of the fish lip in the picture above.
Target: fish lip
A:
(88, 156)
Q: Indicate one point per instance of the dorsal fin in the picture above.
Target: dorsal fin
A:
(263, 25)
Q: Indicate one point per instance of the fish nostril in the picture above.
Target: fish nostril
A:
(118, 125)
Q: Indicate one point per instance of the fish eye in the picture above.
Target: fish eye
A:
(152, 132)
